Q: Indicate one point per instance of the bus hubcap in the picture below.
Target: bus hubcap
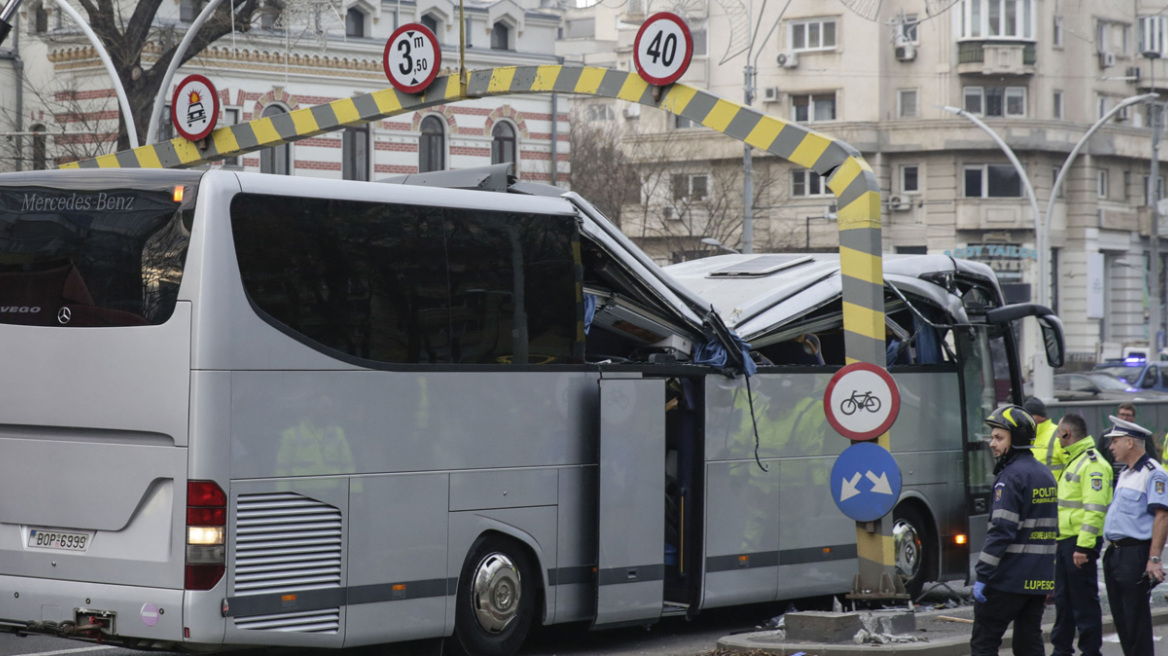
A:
(496, 592)
(908, 548)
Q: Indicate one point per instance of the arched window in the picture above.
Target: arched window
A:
(500, 37)
(432, 145)
(502, 143)
(354, 22)
(431, 23)
(40, 21)
(270, 14)
(274, 159)
(40, 157)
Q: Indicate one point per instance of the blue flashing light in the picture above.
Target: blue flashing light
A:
(1134, 360)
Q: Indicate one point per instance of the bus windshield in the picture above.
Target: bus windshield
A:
(84, 258)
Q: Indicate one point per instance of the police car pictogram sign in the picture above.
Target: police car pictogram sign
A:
(663, 49)
(412, 58)
(194, 109)
(865, 482)
(861, 401)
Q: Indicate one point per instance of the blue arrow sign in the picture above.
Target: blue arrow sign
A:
(865, 482)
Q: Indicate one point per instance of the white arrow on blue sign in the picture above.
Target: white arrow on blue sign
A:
(865, 481)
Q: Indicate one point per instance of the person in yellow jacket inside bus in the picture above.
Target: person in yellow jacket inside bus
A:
(1047, 449)
(1084, 493)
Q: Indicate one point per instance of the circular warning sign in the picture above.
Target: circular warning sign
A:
(861, 401)
(412, 58)
(194, 109)
(663, 49)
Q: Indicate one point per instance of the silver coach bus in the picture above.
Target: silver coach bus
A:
(247, 409)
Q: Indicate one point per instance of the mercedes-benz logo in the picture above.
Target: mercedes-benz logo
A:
(64, 315)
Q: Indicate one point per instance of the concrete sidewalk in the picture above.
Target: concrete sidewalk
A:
(943, 631)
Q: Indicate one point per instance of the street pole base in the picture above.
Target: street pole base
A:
(891, 588)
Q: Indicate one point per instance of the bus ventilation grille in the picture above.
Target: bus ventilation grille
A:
(286, 543)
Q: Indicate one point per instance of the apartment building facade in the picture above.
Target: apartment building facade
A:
(58, 103)
(1039, 73)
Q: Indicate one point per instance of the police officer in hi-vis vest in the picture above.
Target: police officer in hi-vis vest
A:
(1136, 525)
(1015, 571)
(1084, 492)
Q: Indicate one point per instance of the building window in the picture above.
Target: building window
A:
(700, 37)
(500, 37)
(908, 31)
(354, 22)
(1058, 104)
(690, 188)
(1101, 183)
(466, 31)
(231, 116)
(995, 101)
(1101, 105)
(678, 122)
(816, 34)
(910, 181)
(431, 23)
(1152, 33)
(1127, 185)
(40, 156)
(1057, 32)
(165, 131)
(813, 107)
(992, 181)
(355, 153)
(40, 18)
(270, 14)
(1159, 188)
(906, 103)
(275, 159)
(502, 143)
(807, 184)
(600, 112)
(432, 145)
(998, 19)
(1054, 176)
(189, 10)
(1111, 36)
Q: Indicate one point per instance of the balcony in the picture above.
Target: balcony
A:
(996, 57)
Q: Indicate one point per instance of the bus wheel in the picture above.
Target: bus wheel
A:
(496, 599)
(913, 547)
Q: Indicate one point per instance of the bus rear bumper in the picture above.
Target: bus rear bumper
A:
(115, 614)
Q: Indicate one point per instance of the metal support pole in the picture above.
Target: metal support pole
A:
(127, 115)
(175, 62)
(1043, 376)
(1154, 311)
(748, 171)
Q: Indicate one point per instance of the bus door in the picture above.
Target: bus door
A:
(630, 558)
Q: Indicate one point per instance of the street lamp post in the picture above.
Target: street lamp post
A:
(1043, 376)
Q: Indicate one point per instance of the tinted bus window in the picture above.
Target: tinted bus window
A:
(78, 258)
(412, 285)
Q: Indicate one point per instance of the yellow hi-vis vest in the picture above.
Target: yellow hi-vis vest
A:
(1047, 449)
(1084, 492)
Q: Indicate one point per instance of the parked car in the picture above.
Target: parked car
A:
(1099, 386)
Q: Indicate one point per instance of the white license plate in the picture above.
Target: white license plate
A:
(39, 538)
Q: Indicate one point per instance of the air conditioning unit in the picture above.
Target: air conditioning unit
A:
(770, 94)
(906, 53)
(1106, 59)
(789, 59)
(632, 110)
(1132, 74)
(899, 203)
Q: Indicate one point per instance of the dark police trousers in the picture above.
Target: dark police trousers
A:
(1124, 564)
(991, 619)
(1076, 596)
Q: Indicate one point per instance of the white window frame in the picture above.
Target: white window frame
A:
(804, 30)
(979, 92)
(904, 109)
(1057, 32)
(231, 116)
(694, 182)
(904, 186)
(1102, 183)
(976, 24)
(806, 183)
(910, 30)
(813, 102)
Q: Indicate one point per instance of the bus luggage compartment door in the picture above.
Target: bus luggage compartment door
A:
(631, 555)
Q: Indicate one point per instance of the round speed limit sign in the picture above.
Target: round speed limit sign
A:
(412, 58)
(663, 49)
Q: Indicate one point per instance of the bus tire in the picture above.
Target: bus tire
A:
(914, 547)
(496, 599)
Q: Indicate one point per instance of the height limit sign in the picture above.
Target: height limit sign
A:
(663, 49)
(412, 58)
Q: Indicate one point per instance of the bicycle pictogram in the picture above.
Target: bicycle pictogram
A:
(857, 401)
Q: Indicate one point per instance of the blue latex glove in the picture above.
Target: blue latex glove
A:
(979, 591)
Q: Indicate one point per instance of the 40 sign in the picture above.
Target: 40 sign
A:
(663, 49)
(412, 58)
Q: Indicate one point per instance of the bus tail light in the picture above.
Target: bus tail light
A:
(960, 538)
(206, 535)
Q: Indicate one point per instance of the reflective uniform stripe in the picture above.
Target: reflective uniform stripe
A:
(1032, 548)
(1096, 507)
(1043, 523)
(988, 559)
(1006, 514)
(1087, 528)
(1067, 503)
